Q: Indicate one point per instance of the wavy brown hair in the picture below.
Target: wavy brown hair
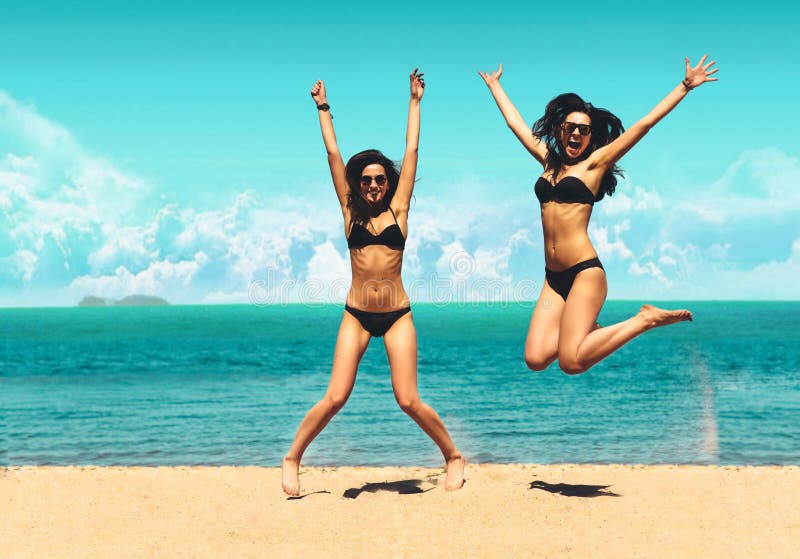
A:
(606, 128)
(359, 207)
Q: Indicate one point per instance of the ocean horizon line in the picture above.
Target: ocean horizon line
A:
(322, 304)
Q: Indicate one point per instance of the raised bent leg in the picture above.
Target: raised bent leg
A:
(401, 349)
(351, 343)
(581, 343)
(541, 345)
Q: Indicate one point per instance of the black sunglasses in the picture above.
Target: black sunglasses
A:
(583, 129)
(366, 180)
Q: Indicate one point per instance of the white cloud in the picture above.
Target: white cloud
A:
(775, 279)
(52, 190)
(631, 199)
(328, 275)
(606, 248)
(707, 213)
(28, 125)
(132, 245)
(163, 278)
(480, 275)
(702, 245)
(68, 209)
(649, 269)
(689, 272)
(759, 183)
(718, 251)
(760, 172)
(20, 265)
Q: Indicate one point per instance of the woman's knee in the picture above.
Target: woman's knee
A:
(335, 402)
(571, 366)
(408, 403)
(537, 361)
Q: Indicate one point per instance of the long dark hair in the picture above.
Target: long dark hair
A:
(605, 129)
(360, 208)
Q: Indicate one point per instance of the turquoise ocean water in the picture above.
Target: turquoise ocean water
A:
(229, 385)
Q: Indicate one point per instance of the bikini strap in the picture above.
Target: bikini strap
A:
(394, 216)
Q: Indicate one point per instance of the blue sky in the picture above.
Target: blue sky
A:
(173, 149)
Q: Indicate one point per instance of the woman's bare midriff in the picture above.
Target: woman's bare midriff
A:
(377, 283)
(566, 240)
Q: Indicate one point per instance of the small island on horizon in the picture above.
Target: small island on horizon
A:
(129, 301)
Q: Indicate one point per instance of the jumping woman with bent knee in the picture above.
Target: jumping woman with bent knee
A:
(579, 146)
(374, 199)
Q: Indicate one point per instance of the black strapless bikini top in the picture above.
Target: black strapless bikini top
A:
(391, 236)
(569, 190)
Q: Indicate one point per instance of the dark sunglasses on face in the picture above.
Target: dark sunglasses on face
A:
(380, 180)
(583, 129)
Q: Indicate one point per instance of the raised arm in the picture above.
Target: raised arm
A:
(408, 169)
(335, 162)
(608, 155)
(521, 130)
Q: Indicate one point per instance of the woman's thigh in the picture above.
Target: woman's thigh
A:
(401, 349)
(351, 343)
(581, 310)
(541, 345)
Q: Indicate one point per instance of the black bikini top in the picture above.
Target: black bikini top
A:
(569, 190)
(391, 236)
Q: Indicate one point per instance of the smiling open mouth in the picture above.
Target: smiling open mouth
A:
(574, 144)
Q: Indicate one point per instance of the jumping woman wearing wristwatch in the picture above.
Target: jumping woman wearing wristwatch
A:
(374, 198)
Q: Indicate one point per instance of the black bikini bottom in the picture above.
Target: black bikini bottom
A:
(377, 323)
(562, 281)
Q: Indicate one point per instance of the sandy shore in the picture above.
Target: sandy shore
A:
(503, 511)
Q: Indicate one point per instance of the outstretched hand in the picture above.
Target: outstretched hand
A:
(318, 92)
(417, 84)
(700, 74)
(492, 78)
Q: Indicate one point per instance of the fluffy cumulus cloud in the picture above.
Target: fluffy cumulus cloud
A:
(237, 254)
(158, 277)
(483, 273)
(716, 241)
(709, 273)
(608, 240)
(56, 198)
(73, 223)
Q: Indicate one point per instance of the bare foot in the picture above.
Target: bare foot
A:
(291, 477)
(455, 473)
(654, 317)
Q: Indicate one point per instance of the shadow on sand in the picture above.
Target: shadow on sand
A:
(574, 490)
(403, 487)
(306, 495)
